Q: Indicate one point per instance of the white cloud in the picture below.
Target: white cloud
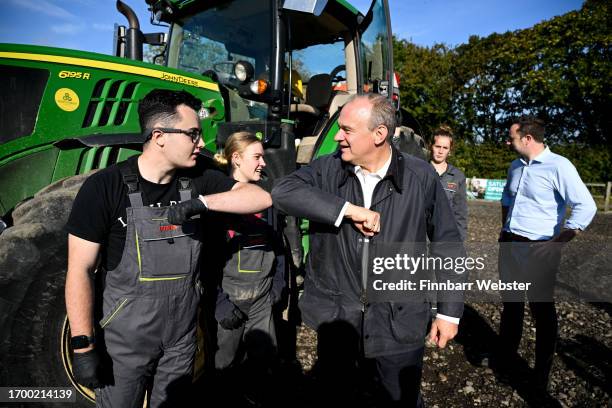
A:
(67, 28)
(44, 7)
(102, 27)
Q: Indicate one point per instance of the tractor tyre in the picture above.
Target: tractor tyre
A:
(34, 333)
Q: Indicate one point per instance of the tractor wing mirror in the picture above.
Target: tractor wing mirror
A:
(155, 39)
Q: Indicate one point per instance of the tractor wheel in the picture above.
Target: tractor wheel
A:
(34, 349)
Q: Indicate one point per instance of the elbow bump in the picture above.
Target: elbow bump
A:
(268, 200)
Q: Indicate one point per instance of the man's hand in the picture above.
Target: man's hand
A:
(366, 221)
(566, 235)
(85, 367)
(442, 331)
(178, 214)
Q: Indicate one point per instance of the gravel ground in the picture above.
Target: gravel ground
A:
(457, 376)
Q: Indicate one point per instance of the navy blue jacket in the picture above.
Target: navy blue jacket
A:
(413, 208)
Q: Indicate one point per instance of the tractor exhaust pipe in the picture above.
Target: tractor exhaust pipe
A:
(134, 37)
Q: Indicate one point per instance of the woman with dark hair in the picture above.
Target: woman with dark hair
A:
(452, 179)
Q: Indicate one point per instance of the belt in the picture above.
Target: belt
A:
(512, 237)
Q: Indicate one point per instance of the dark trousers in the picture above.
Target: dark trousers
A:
(511, 329)
(345, 375)
(535, 263)
(400, 374)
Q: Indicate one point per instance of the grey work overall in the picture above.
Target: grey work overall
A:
(150, 302)
(247, 279)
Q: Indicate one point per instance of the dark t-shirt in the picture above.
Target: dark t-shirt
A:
(99, 209)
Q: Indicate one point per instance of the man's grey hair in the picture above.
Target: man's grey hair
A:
(383, 112)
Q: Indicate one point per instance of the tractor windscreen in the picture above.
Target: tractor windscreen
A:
(212, 41)
(375, 50)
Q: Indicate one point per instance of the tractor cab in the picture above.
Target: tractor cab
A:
(284, 68)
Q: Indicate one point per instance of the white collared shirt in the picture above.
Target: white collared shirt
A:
(368, 183)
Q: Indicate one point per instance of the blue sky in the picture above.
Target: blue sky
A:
(88, 24)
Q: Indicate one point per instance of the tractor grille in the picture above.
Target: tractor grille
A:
(109, 103)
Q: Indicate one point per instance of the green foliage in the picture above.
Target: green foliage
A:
(592, 162)
(559, 70)
(482, 160)
(426, 86)
(491, 160)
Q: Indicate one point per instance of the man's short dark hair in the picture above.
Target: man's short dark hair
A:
(383, 112)
(531, 125)
(159, 106)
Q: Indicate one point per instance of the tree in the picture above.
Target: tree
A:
(426, 86)
(559, 70)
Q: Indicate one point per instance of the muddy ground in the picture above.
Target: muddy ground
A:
(458, 376)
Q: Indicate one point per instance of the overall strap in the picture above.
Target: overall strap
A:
(184, 188)
(275, 220)
(130, 178)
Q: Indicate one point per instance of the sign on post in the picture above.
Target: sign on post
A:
(487, 189)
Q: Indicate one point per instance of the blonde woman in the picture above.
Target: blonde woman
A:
(254, 274)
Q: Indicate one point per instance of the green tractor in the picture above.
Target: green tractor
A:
(281, 69)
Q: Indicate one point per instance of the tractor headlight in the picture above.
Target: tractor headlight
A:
(244, 71)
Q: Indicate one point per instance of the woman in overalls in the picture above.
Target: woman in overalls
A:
(254, 274)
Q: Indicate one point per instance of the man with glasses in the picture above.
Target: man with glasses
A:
(130, 224)
(540, 186)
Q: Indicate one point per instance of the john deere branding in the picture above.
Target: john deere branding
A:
(66, 99)
(112, 66)
(180, 79)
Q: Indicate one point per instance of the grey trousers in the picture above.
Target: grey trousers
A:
(256, 338)
(151, 351)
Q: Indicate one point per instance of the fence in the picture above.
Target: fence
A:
(606, 196)
(489, 189)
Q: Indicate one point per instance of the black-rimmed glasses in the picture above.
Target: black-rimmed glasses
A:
(194, 133)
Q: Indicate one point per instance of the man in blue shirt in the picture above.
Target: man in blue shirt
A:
(540, 186)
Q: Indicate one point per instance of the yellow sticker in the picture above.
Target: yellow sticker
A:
(67, 99)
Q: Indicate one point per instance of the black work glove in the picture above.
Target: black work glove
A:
(228, 315)
(233, 320)
(85, 367)
(181, 212)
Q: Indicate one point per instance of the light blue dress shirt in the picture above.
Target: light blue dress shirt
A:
(538, 192)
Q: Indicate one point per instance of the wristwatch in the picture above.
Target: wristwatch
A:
(81, 342)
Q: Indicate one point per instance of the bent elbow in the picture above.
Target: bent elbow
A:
(267, 200)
